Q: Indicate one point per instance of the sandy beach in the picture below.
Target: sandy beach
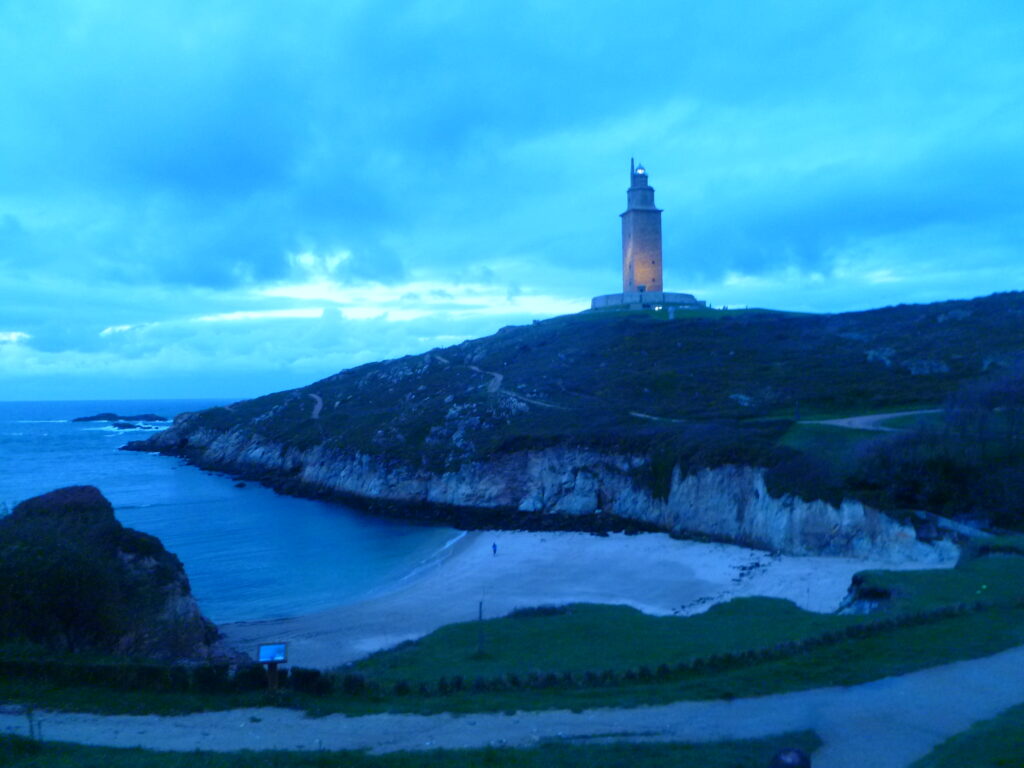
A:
(652, 572)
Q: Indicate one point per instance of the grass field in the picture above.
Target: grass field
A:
(995, 743)
(616, 656)
(21, 753)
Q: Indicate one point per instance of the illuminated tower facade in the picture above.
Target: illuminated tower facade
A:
(641, 236)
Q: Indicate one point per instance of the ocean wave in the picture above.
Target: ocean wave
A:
(434, 559)
(185, 503)
(41, 421)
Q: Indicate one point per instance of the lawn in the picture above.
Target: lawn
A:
(995, 743)
(590, 655)
(18, 752)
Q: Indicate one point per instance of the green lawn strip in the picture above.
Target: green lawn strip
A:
(995, 743)
(994, 578)
(827, 441)
(16, 752)
(617, 656)
(915, 420)
(846, 661)
(594, 638)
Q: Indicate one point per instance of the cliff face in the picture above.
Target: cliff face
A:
(729, 502)
(73, 579)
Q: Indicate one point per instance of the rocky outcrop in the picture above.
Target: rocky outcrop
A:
(73, 578)
(727, 502)
(113, 417)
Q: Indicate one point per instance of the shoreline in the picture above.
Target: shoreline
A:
(651, 572)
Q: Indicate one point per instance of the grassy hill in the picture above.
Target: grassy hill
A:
(704, 388)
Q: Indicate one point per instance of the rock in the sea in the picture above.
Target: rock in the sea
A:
(72, 578)
(113, 417)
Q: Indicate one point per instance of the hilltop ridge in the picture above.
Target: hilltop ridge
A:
(660, 399)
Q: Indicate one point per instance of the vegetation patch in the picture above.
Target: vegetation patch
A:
(588, 655)
(995, 743)
(18, 752)
(703, 389)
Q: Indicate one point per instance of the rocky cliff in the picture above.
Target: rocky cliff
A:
(674, 423)
(74, 579)
(728, 502)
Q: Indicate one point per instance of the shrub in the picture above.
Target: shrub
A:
(539, 610)
(311, 681)
(213, 678)
(251, 677)
(353, 684)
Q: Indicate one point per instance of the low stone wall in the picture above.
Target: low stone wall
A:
(646, 300)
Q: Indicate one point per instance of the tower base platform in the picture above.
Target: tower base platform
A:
(646, 300)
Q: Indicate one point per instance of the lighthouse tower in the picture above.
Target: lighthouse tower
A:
(642, 286)
(641, 235)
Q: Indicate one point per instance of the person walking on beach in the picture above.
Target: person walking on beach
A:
(494, 549)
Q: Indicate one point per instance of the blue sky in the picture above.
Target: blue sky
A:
(226, 199)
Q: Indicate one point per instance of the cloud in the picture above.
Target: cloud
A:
(415, 172)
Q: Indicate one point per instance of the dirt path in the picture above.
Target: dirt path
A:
(496, 378)
(872, 421)
(318, 405)
(650, 417)
(884, 724)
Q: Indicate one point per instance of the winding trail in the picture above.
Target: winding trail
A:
(494, 386)
(888, 723)
(318, 405)
(496, 378)
(871, 421)
(651, 417)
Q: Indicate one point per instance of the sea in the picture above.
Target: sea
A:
(250, 554)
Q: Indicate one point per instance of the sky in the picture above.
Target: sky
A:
(225, 199)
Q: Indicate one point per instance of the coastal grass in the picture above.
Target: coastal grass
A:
(600, 656)
(850, 662)
(827, 441)
(18, 752)
(993, 578)
(935, 421)
(995, 743)
(583, 637)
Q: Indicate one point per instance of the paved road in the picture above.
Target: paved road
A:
(884, 724)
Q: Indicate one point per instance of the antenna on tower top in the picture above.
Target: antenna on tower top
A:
(632, 166)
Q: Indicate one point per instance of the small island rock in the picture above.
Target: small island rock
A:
(113, 417)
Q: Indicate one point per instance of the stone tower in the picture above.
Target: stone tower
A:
(641, 236)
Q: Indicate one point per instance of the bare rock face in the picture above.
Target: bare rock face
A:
(728, 502)
(73, 578)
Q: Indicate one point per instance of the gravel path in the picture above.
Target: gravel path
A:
(884, 724)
